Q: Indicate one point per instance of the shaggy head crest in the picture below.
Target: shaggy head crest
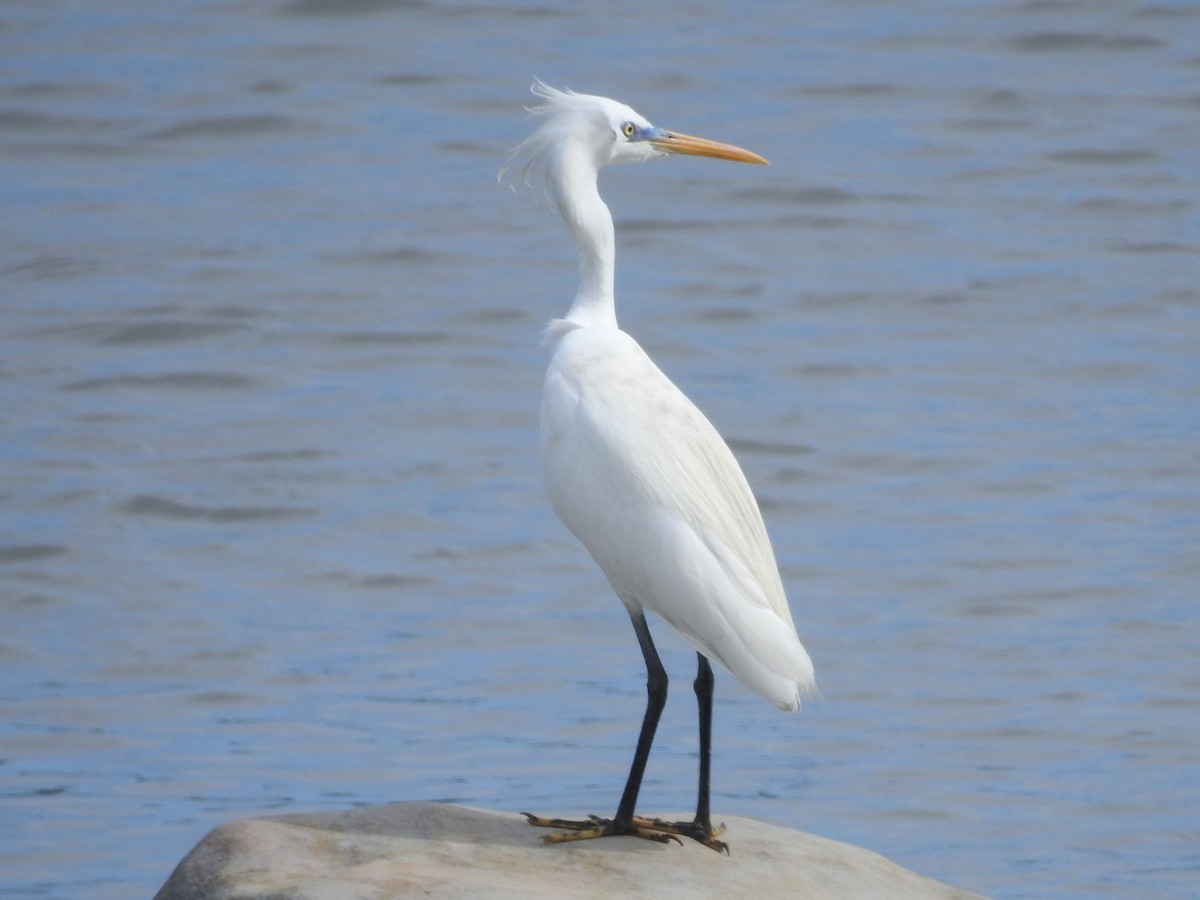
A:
(595, 129)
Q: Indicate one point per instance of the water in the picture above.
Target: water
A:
(273, 534)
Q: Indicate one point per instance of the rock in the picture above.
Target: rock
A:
(437, 850)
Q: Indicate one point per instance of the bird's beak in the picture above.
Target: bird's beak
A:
(674, 142)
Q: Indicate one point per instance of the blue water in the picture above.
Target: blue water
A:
(273, 534)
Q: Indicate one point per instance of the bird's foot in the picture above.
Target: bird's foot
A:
(648, 829)
(596, 827)
(702, 832)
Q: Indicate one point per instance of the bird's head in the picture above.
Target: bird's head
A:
(596, 131)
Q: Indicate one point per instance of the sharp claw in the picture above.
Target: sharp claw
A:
(657, 830)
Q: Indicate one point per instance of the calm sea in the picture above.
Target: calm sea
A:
(273, 536)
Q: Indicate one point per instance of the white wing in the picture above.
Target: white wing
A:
(648, 486)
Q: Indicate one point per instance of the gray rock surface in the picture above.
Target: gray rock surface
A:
(437, 850)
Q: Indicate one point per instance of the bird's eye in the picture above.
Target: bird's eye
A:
(628, 129)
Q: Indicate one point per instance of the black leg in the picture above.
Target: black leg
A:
(704, 698)
(656, 699)
(625, 822)
(701, 828)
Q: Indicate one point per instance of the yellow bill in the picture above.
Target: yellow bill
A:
(689, 145)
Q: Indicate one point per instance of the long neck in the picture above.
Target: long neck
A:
(591, 224)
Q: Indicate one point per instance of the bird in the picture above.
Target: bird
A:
(638, 474)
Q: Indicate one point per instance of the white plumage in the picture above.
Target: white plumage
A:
(641, 477)
(633, 468)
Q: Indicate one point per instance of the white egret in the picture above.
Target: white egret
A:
(637, 472)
